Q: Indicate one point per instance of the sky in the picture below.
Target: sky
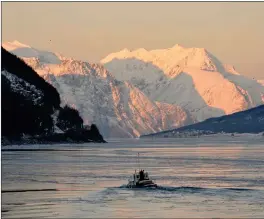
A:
(232, 31)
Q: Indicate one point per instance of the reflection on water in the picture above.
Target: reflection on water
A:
(196, 178)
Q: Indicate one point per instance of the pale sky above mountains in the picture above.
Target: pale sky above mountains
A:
(232, 31)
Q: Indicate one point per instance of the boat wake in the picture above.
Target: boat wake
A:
(187, 189)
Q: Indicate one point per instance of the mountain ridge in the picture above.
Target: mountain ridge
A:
(176, 75)
(188, 85)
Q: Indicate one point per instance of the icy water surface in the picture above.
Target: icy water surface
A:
(196, 177)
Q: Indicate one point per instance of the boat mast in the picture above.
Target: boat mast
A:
(138, 163)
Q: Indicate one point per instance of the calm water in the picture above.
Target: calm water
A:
(211, 177)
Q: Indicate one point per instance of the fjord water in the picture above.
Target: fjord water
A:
(197, 177)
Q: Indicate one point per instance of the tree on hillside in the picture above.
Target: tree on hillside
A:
(94, 132)
(69, 119)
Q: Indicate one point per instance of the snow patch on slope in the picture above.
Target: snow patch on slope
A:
(22, 87)
(54, 117)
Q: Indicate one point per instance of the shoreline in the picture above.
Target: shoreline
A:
(45, 140)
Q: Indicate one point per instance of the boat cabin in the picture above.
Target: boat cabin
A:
(141, 175)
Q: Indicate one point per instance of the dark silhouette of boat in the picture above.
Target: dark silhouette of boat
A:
(140, 179)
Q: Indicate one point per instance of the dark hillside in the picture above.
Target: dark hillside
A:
(30, 106)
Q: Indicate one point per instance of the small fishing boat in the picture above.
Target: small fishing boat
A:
(140, 179)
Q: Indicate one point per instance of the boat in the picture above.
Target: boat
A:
(140, 179)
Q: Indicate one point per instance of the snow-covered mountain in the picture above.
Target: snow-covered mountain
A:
(189, 77)
(118, 108)
(27, 52)
(140, 92)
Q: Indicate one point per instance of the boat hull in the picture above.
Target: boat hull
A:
(142, 185)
